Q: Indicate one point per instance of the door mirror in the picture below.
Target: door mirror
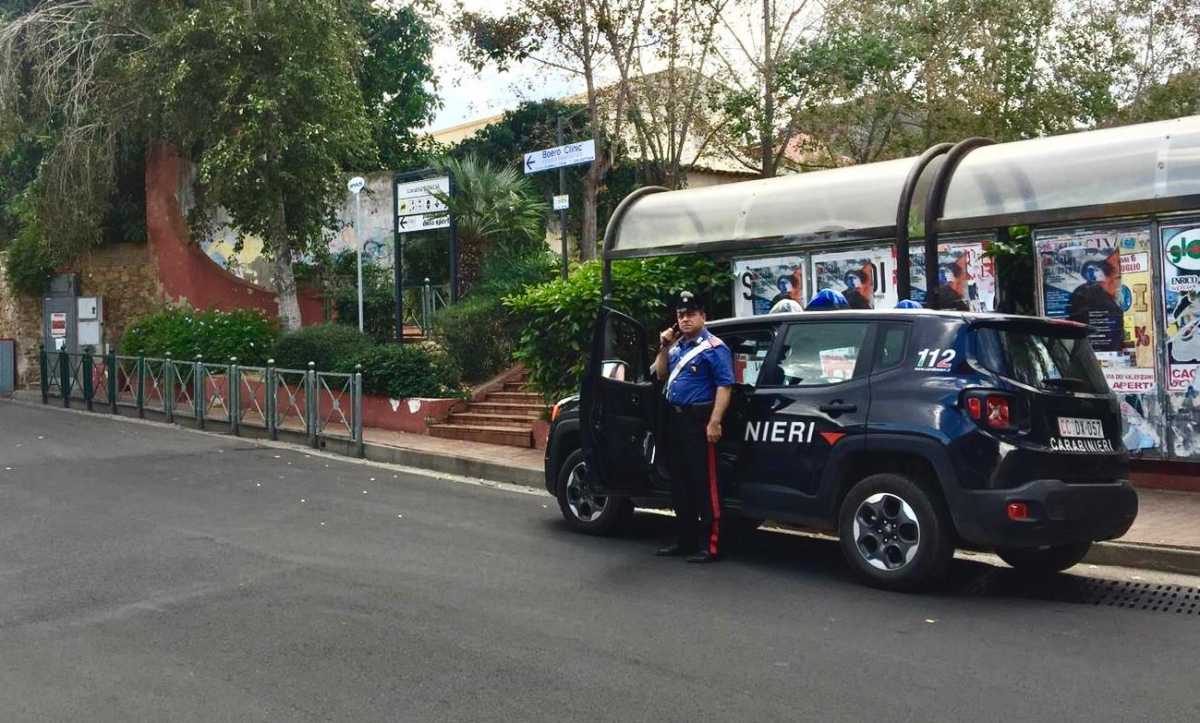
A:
(614, 369)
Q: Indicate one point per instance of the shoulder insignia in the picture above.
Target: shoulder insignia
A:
(714, 341)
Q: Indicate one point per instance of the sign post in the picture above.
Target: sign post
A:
(355, 186)
(560, 157)
(418, 209)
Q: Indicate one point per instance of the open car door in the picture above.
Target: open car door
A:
(618, 407)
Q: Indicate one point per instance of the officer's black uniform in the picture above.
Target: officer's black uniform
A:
(696, 368)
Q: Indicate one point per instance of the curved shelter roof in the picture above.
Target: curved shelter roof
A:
(1114, 166)
(1095, 174)
(854, 202)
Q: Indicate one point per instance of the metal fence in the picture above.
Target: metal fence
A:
(319, 405)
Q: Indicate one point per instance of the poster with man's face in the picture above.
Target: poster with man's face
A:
(864, 276)
(963, 269)
(1081, 281)
(759, 282)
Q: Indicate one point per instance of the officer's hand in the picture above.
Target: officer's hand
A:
(667, 337)
(713, 432)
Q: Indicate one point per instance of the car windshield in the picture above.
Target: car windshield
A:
(1041, 359)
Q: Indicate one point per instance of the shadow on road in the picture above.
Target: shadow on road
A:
(784, 554)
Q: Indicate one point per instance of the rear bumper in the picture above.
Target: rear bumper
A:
(1060, 513)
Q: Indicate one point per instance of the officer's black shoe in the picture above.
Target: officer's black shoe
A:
(703, 556)
(675, 550)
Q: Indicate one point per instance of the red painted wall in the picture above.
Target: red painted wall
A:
(184, 270)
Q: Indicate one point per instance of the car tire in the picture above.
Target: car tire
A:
(895, 533)
(1044, 560)
(584, 512)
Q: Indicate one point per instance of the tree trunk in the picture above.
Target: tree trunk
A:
(285, 279)
(767, 130)
(591, 190)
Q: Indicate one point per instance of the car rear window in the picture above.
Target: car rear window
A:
(1041, 359)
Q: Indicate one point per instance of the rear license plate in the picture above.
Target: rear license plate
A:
(1076, 427)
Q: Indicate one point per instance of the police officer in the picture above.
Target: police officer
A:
(698, 369)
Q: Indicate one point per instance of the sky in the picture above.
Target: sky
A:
(467, 95)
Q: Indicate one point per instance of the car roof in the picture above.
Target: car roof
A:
(873, 314)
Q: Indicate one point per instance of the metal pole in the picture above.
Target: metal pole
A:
(114, 369)
(169, 383)
(313, 404)
(270, 399)
(453, 248)
(64, 376)
(233, 393)
(358, 411)
(85, 371)
(141, 387)
(358, 247)
(44, 368)
(562, 190)
(398, 263)
(199, 391)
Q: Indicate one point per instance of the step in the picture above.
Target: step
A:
(490, 407)
(481, 433)
(516, 421)
(518, 397)
(515, 387)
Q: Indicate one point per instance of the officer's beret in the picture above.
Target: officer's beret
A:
(687, 301)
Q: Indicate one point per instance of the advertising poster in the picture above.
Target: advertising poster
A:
(963, 269)
(1102, 277)
(758, 282)
(1181, 304)
(865, 276)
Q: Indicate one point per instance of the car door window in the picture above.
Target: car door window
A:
(821, 353)
(624, 356)
(893, 338)
(749, 348)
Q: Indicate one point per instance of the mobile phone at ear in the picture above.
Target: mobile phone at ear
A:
(675, 328)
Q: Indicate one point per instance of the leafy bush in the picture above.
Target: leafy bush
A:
(29, 265)
(214, 335)
(399, 371)
(329, 345)
(479, 332)
(557, 318)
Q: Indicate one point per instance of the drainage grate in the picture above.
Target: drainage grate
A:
(1154, 597)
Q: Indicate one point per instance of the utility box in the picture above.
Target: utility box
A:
(90, 315)
(60, 324)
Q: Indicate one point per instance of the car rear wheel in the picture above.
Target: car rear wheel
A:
(586, 510)
(894, 533)
(1044, 560)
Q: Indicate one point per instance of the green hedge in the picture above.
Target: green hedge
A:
(557, 318)
(398, 371)
(215, 335)
(328, 345)
(29, 265)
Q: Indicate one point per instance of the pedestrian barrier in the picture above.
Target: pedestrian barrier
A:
(318, 405)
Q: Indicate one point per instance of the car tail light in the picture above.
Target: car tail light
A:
(1018, 511)
(991, 409)
(997, 412)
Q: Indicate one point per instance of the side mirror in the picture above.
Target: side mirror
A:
(614, 369)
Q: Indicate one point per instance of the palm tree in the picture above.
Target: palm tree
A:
(491, 207)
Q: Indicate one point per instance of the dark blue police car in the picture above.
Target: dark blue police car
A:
(907, 433)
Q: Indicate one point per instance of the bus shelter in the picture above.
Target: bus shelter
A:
(1115, 220)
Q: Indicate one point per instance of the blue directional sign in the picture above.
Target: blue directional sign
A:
(568, 155)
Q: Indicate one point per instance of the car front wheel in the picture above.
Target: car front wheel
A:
(585, 509)
(894, 533)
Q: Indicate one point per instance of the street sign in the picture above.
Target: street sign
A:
(416, 205)
(562, 203)
(58, 325)
(356, 184)
(567, 155)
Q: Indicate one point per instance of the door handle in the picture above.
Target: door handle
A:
(838, 407)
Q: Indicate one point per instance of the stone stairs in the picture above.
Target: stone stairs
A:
(503, 416)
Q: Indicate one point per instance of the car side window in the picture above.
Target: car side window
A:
(750, 348)
(821, 353)
(892, 340)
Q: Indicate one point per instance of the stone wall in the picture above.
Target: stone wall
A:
(125, 276)
(122, 274)
(21, 319)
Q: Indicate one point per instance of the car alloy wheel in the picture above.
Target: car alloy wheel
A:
(886, 531)
(585, 505)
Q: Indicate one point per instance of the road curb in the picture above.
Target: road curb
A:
(1162, 558)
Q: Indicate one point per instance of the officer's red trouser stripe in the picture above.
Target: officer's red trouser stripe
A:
(714, 496)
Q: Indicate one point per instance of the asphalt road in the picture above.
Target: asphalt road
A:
(148, 573)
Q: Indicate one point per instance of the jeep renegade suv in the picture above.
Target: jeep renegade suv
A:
(906, 433)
